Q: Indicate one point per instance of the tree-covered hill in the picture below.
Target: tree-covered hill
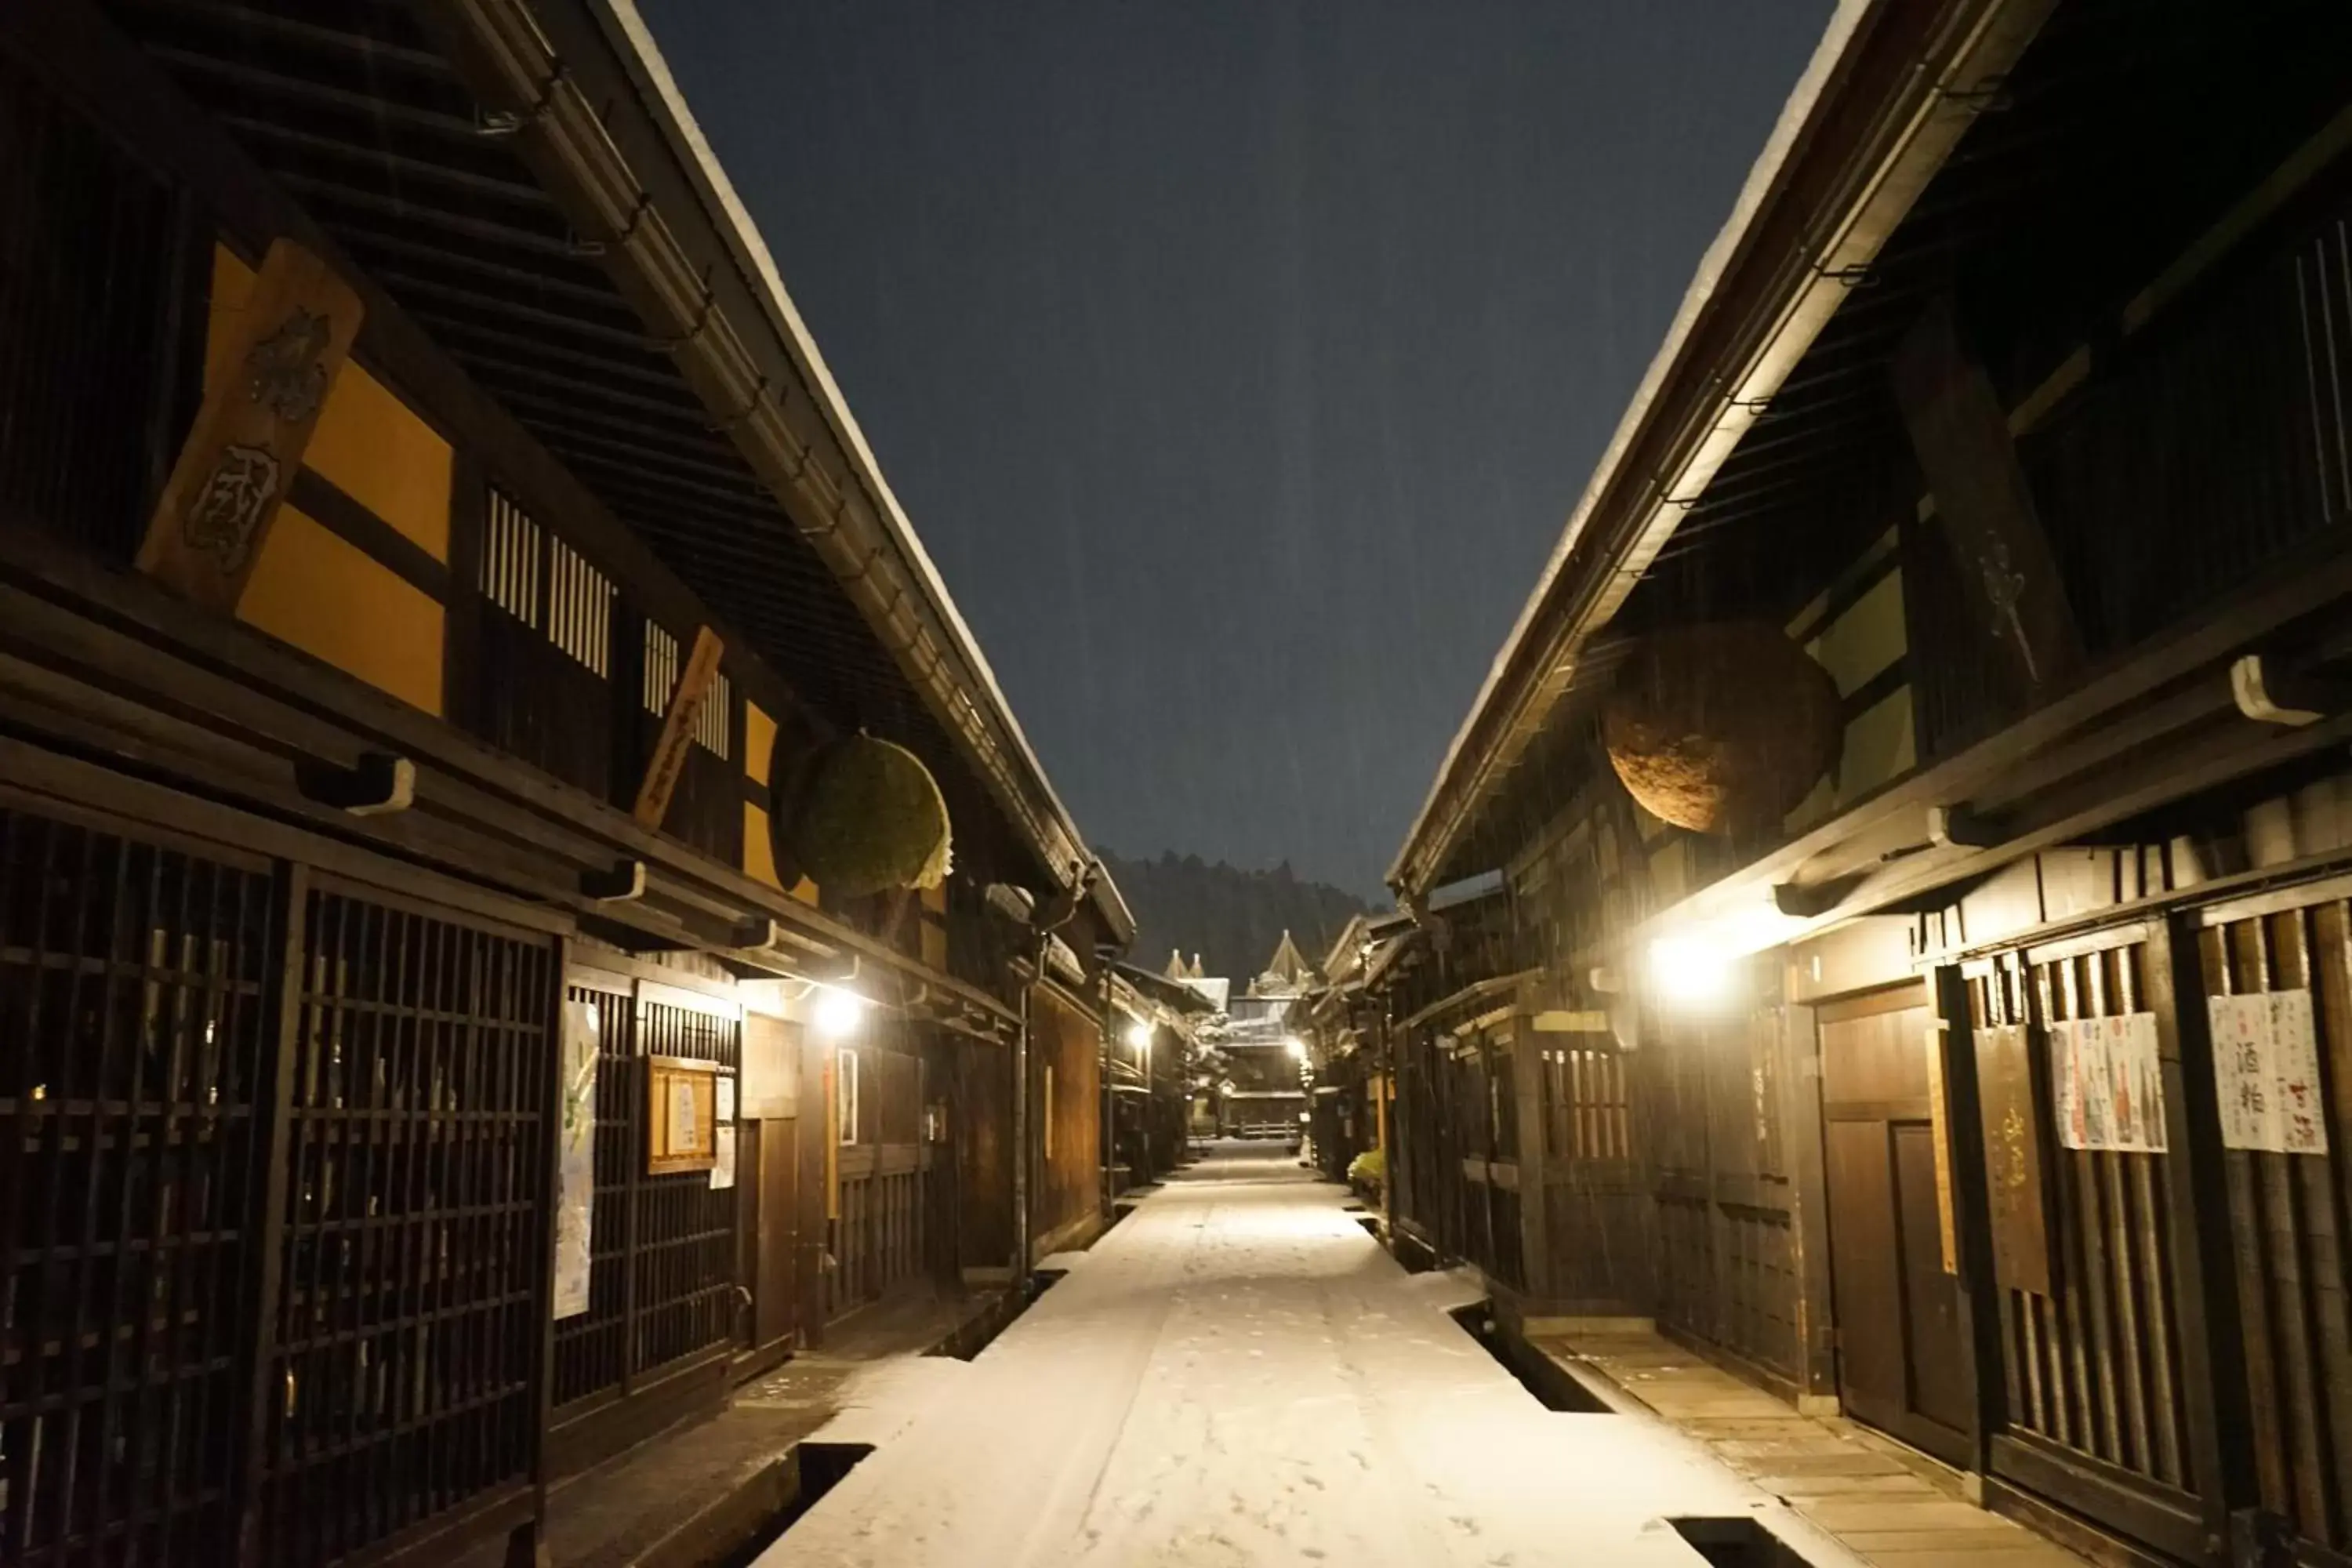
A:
(1232, 918)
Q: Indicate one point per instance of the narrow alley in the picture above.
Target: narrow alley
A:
(1236, 1374)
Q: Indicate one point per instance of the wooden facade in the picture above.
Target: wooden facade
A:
(2007, 1117)
(436, 729)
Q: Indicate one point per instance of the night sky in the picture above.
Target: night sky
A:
(1239, 362)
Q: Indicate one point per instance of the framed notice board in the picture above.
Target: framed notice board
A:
(681, 1115)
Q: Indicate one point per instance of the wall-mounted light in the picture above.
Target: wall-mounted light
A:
(1138, 1037)
(837, 1012)
(1690, 970)
(1294, 1046)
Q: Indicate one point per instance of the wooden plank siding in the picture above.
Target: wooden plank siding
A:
(2288, 1220)
(1065, 1109)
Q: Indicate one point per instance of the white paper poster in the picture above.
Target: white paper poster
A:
(726, 1112)
(2294, 1065)
(2266, 1072)
(575, 1176)
(684, 1127)
(2066, 1086)
(722, 1168)
(2107, 1084)
(2135, 1072)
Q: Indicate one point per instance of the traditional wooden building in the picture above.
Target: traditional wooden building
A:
(1150, 1048)
(433, 557)
(1259, 1090)
(1339, 1018)
(1973, 1057)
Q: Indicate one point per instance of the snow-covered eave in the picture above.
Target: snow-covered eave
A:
(866, 539)
(1750, 312)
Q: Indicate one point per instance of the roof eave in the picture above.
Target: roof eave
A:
(1752, 309)
(861, 533)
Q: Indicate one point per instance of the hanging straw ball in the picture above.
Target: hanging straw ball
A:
(872, 820)
(1721, 728)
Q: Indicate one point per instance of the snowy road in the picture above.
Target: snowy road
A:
(1237, 1375)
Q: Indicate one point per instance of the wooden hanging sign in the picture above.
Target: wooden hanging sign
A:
(2008, 1089)
(246, 444)
(678, 731)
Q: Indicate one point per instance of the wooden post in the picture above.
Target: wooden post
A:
(2204, 1285)
(1980, 1292)
(527, 1543)
(1536, 1262)
(238, 463)
(668, 760)
(265, 1248)
(1809, 1223)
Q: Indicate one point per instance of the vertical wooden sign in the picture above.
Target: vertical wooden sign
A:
(246, 444)
(2006, 1089)
(678, 731)
(1939, 1131)
(1962, 438)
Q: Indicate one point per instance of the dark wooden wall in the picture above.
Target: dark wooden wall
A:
(1067, 1187)
(1728, 1258)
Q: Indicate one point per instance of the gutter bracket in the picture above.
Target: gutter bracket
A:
(2269, 693)
(1958, 827)
(624, 881)
(377, 784)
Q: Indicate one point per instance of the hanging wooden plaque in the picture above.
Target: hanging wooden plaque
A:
(678, 731)
(239, 460)
(2009, 1091)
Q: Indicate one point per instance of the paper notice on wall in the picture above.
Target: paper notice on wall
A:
(2066, 1086)
(575, 1176)
(725, 1114)
(2133, 1093)
(2107, 1084)
(2294, 1064)
(722, 1166)
(685, 1126)
(2266, 1072)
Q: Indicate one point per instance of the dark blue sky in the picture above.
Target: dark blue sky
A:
(1239, 361)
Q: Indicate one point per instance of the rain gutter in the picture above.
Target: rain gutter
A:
(1890, 90)
(727, 322)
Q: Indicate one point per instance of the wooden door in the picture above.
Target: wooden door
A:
(769, 1163)
(1903, 1365)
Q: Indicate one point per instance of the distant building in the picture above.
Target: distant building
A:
(1263, 1091)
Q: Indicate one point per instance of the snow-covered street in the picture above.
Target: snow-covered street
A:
(1236, 1374)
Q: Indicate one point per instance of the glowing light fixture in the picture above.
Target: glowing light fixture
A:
(1690, 970)
(1294, 1046)
(1139, 1036)
(837, 1013)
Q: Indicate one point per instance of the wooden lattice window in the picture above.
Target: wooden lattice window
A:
(1586, 1111)
(579, 608)
(514, 554)
(132, 985)
(405, 1371)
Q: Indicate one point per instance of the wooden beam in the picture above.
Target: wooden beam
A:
(1960, 435)
(238, 463)
(668, 760)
